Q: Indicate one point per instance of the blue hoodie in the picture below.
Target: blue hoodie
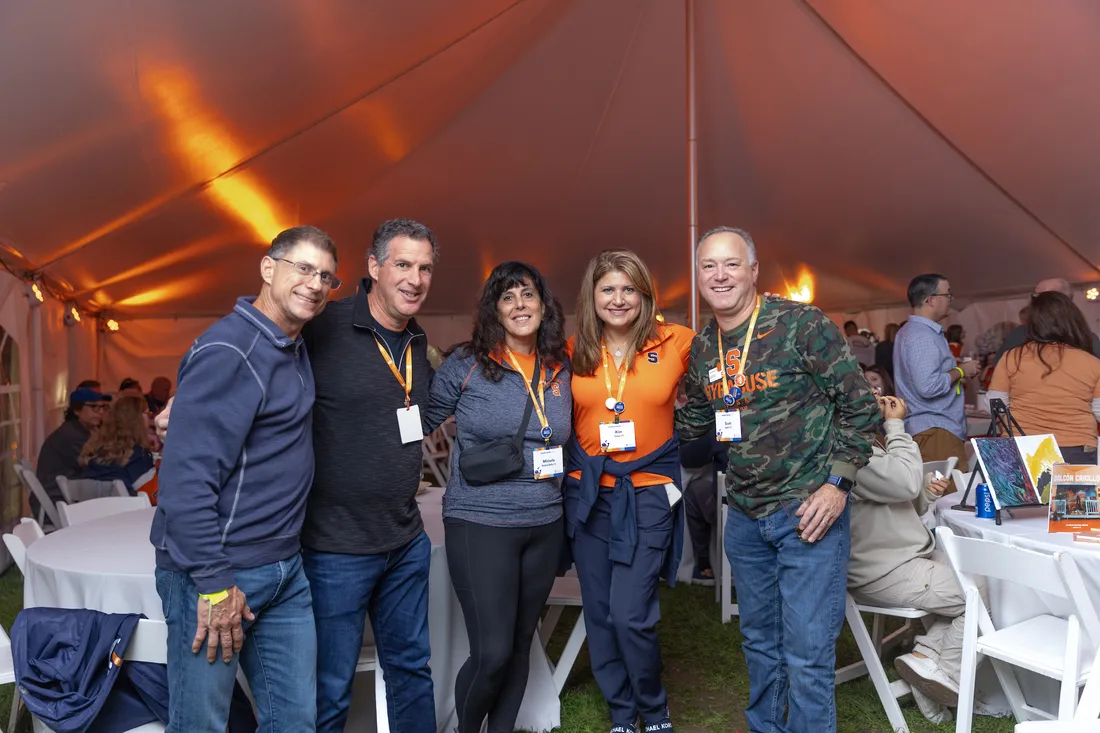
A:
(238, 458)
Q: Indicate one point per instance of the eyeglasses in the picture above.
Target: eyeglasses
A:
(307, 272)
(949, 295)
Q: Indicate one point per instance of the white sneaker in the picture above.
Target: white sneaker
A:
(925, 675)
(933, 712)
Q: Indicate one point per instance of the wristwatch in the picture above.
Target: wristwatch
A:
(844, 484)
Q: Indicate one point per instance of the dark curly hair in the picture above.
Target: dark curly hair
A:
(488, 334)
(1054, 322)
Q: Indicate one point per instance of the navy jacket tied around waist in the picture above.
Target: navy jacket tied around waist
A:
(664, 461)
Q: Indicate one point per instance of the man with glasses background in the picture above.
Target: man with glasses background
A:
(60, 452)
(927, 377)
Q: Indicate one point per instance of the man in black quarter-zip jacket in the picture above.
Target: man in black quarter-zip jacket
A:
(365, 546)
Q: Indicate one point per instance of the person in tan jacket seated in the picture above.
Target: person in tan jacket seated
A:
(894, 561)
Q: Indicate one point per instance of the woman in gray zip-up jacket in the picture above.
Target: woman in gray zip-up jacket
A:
(504, 539)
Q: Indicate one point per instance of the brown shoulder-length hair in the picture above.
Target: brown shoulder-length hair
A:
(586, 344)
(122, 431)
(1053, 321)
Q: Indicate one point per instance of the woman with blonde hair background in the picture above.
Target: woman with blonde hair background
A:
(122, 447)
(624, 475)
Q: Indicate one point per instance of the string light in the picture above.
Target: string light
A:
(37, 292)
(75, 313)
(1092, 293)
(112, 324)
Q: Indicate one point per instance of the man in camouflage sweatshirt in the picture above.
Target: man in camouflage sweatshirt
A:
(807, 418)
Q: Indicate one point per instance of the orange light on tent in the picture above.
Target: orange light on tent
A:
(112, 325)
(207, 149)
(37, 292)
(1092, 293)
(803, 290)
(76, 314)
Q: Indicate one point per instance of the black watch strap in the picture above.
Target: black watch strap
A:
(844, 484)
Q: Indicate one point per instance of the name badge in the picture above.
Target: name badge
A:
(714, 375)
(727, 425)
(408, 422)
(616, 437)
(549, 462)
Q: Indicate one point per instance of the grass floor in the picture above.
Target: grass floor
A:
(704, 672)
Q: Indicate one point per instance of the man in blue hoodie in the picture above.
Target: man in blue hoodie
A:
(233, 486)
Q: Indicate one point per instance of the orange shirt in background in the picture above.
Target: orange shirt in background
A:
(649, 396)
(1058, 403)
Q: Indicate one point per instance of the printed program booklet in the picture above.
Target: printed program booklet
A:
(1074, 505)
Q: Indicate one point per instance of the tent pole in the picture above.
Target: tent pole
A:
(692, 166)
(38, 401)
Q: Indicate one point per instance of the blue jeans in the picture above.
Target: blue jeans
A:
(279, 657)
(790, 597)
(393, 588)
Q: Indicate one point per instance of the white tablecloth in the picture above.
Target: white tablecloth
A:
(1011, 603)
(107, 565)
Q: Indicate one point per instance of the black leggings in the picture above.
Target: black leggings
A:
(502, 576)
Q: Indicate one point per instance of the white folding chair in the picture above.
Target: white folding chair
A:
(566, 592)
(368, 662)
(148, 644)
(1084, 721)
(724, 586)
(7, 677)
(1045, 644)
(22, 536)
(84, 489)
(871, 647)
(437, 456)
(47, 509)
(85, 511)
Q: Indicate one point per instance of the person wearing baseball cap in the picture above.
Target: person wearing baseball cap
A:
(60, 453)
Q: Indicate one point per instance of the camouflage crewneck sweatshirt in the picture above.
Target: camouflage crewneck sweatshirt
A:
(807, 411)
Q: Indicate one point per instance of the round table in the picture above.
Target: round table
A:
(1010, 603)
(107, 565)
(104, 565)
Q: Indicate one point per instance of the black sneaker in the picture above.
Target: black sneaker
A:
(624, 729)
(661, 726)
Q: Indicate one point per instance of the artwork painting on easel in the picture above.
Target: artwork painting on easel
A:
(1005, 473)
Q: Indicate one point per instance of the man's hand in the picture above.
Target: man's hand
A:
(820, 511)
(892, 407)
(221, 623)
(161, 421)
(970, 368)
(938, 486)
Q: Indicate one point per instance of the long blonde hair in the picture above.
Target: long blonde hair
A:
(122, 431)
(586, 344)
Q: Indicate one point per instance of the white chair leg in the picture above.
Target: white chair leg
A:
(964, 714)
(1067, 698)
(549, 623)
(16, 702)
(874, 667)
(569, 655)
(381, 706)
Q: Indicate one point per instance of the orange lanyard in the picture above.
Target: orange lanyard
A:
(539, 400)
(614, 402)
(739, 381)
(407, 382)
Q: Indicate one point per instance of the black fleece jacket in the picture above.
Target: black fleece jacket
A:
(363, 499)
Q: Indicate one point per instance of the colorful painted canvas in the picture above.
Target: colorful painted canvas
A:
(1074, 506)
(1005, 473)
(1040, 453)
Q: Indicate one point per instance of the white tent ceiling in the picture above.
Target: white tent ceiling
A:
(148, 150)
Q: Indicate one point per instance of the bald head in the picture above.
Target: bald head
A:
(1054, 285)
